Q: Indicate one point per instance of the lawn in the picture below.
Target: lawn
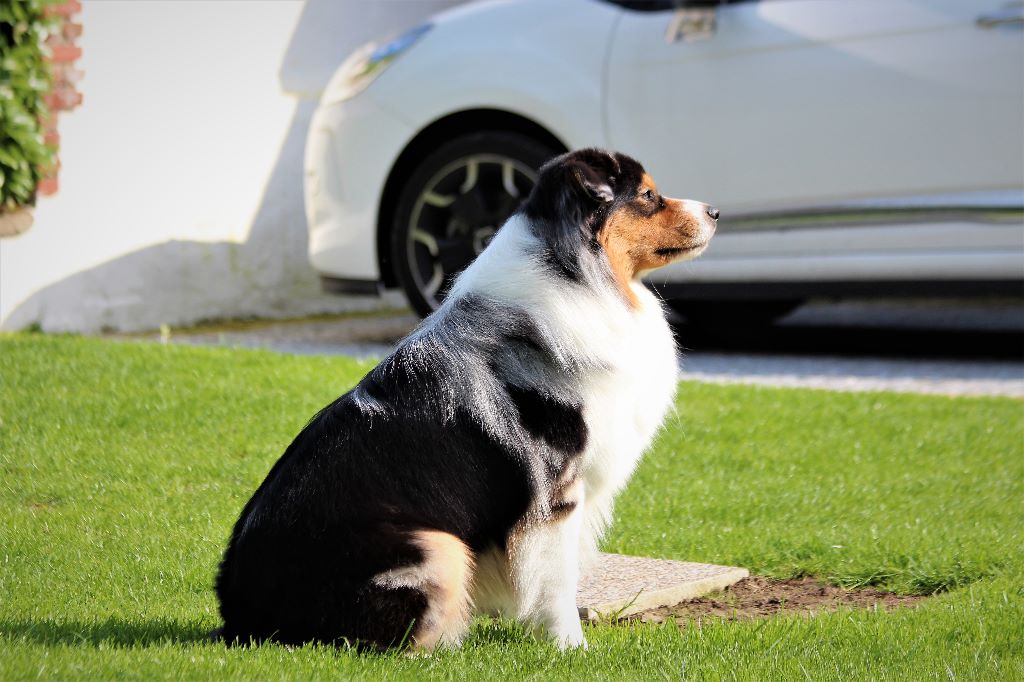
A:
(125, 464)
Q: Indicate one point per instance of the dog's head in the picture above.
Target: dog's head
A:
(593, 201)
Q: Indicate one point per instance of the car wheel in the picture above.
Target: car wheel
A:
(452, 205)
(733, 314)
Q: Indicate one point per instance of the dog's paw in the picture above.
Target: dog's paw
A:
(572, 639)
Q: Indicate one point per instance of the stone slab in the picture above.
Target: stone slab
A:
(619, 585)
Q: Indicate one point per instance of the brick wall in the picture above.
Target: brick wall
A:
(64, 96)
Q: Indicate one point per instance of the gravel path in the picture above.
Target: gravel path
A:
(373, 337)
(948, 377)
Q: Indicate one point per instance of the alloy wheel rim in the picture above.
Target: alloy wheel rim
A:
(456, 215)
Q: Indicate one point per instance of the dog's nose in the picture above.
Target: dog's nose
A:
(713, 212)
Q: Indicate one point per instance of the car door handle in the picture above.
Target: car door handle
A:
(1011, 15)
(690, 24)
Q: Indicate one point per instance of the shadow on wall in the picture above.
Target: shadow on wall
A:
(183, 282)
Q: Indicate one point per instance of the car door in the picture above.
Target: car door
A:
(842, 139)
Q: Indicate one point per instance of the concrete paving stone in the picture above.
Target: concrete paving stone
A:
(619, 585)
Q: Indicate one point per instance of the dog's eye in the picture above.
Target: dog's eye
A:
(649, 195)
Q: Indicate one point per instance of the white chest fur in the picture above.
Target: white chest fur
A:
(624, 408)
(626, 405)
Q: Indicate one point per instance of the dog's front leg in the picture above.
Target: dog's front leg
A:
(545, 565)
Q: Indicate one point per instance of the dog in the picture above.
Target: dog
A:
(474, 469)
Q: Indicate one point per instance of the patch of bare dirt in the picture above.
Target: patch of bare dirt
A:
(760, 597)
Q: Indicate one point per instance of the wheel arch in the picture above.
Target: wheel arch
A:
(427, 139)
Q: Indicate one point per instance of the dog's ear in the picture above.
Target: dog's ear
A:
(569, 202)
(590, 181)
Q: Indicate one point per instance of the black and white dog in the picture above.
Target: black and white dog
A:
(475, 467)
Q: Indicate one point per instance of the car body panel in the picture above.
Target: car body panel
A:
(546, 71)
(808, 102)
(912, 266)
(350, 149)
(833, 106)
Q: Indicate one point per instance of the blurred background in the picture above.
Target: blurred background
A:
(217, 161)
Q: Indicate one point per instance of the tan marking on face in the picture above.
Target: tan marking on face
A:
(640, 236)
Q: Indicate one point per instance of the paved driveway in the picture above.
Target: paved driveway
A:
(819, 352)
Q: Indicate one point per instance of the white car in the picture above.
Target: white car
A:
(854, 147)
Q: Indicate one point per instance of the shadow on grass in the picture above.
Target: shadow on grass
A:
(118, 632)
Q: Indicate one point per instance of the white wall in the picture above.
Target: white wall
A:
(180, 189)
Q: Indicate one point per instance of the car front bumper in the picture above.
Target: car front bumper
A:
(350, 150)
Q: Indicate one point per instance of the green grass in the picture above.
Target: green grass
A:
(123, 466)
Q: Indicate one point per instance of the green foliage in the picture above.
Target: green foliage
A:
(123, 466)
(24, 80)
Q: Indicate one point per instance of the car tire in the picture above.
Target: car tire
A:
(734, 314)
(452, 204)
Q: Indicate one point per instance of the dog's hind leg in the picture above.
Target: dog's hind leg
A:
(443, 578)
